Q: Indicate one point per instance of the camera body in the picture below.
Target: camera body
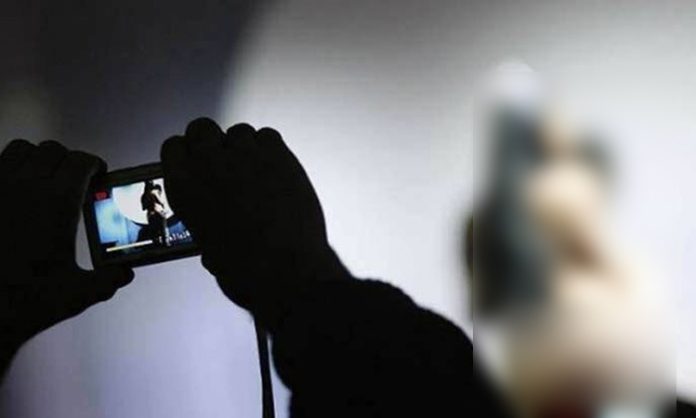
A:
(129, 221)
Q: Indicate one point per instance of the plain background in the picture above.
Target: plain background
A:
(374, 97)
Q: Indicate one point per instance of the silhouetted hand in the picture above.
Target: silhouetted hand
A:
(250, 205)
(344, 348)
(43, 188)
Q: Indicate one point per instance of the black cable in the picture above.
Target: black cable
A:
(265, 367)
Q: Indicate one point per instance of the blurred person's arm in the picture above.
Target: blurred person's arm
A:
(42, 189)
(344, 347)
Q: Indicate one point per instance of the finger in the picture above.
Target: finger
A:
(241, 153)
(271, 139)
(240, 136)
(179, 182)
(274, 148)
(216, 256)
(277, 155)
(175, 158)
(75, 172)
(101, 284)
(239, 161)
(210, 260)
(47, 159)
(204, 140)
(202, 136)
(14, 156)
(116, 276)
(189, 195)
(81, 289)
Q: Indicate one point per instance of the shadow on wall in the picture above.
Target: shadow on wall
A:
(126, 74)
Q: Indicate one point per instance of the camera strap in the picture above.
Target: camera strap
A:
(265, 368)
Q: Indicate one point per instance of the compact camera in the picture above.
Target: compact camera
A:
(130, 222)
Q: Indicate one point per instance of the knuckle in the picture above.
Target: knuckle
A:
(19, 144)
(87, 162)
(52, 144)
(240, 128)
(269, 132)
(202, 125)
(169, 145)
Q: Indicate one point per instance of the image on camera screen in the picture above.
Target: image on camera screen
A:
(136, 218)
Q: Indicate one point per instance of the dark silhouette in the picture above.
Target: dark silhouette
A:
(42, 189)
(345, 347)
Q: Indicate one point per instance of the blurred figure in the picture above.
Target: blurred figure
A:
(153, 204)
(577, 328)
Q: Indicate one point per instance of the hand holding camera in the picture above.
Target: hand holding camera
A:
(43, 188)
(252, 210)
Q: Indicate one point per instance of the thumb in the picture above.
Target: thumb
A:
(101, 284)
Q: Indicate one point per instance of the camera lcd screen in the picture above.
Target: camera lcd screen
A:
(130, 221)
